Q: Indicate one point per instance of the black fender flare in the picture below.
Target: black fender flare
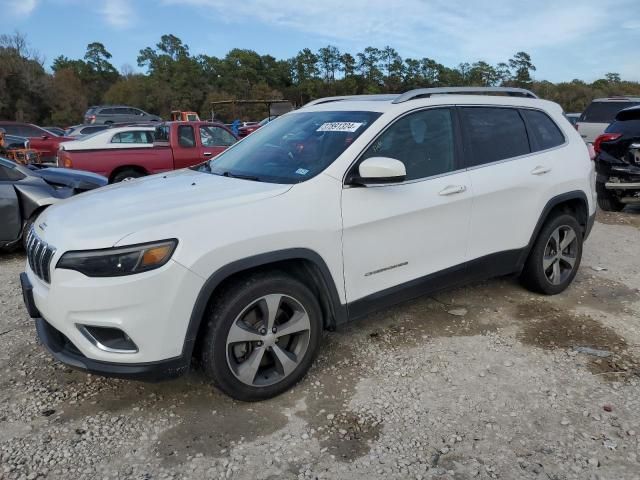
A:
(338, 310)
(544, 215)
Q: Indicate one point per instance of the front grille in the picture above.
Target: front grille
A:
(39, 255)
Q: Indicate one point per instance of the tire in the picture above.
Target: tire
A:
(250, 363)
(561, 265)
(606, 200)
(127, 175)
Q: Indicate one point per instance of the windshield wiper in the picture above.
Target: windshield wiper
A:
(240, 176)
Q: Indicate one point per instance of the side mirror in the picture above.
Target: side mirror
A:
(380, 170)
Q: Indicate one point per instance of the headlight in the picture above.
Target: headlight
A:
(119, 261)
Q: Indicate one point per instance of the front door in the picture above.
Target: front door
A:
(399, 238)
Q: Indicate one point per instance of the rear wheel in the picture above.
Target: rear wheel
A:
(555, 257)
(261, 337)
(607, 201)
(126, 175)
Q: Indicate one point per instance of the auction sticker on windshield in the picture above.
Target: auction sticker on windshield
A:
(339, 127)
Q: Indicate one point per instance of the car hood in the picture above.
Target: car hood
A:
(102, 217)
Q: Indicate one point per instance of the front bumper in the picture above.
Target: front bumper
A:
(66, 352)
(152, 308)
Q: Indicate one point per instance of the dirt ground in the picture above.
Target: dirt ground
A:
(487, 381)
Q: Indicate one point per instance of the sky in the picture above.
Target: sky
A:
(566, 39)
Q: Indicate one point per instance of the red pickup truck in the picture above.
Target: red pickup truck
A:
(176, 145)
(40, 139)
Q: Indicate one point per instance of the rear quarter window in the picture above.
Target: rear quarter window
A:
(604, 112)
(544, 132)
(628, 127)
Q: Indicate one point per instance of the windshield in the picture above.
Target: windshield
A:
(293, 148)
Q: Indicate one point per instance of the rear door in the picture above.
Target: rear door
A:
(511, 176)
(214, 140)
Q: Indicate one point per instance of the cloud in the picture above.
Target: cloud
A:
(21, 8)
(445, 29)
(118, 13)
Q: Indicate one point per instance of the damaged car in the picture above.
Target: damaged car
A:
(618, 162)
(25, 191)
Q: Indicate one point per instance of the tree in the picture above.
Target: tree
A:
(613, 77)
(68, 102)
(522, 66)
(329, 58)
(368, 65)
(347, 64)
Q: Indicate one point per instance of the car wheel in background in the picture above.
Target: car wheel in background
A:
(555, 257)
(126, 175)
(261, 336)
(606, 200)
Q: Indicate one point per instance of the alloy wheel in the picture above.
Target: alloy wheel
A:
(268, 340)
(560, 254)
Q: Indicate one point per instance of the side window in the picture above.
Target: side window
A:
(186, 137)
(423, 141)
(10, 129)
(215, 137)
(494, 134)
(27, 131)
(135, 136)
(107, 111)
(545, 133)
(149, 137)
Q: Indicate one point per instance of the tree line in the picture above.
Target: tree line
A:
(175, 79)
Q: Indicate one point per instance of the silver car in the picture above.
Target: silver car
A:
(110, 114)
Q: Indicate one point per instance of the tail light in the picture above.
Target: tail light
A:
(91, 119)
(605, 137)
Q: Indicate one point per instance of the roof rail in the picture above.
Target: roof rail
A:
(379, 97)
(427, 92)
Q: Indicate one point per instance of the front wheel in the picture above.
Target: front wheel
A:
(261, 337)
(555, 257)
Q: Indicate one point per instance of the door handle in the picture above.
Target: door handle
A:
(207, 154)
(540, 170)
(452, 190)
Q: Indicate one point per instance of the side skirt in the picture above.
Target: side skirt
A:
(493, 265)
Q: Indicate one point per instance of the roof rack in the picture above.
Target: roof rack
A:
(379, 97)
(427, 92)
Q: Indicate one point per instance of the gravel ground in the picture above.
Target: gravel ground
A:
(487, 381)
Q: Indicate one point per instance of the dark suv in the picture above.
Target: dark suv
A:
(110, 114)
(618, 162)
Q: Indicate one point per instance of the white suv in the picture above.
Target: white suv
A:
(600, 113)
(328, 213)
